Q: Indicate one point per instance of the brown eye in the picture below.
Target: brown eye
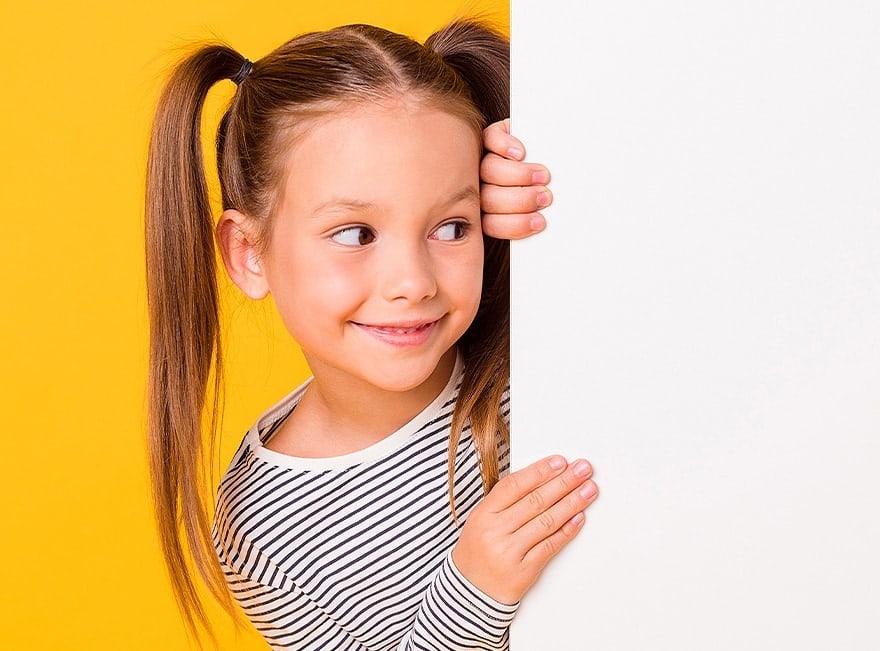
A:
(450, 231)
(354, 236)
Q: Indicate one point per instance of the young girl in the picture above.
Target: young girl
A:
(365, 509)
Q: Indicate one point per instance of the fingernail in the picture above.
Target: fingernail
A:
(543, 199)
(540, 177)
(515, 152)
(581, 468)
(537, 223)
(587, 490)
(557, 463)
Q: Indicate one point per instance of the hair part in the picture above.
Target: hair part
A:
(462, 69)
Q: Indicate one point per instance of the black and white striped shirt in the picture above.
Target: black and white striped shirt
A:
(353, 552)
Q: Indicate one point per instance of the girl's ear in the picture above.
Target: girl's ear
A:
(236, 235)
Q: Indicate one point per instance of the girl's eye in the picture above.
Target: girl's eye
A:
(451, 231)
(354, 236)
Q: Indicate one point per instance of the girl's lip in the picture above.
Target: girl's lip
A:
(399, 325)
(405, 333)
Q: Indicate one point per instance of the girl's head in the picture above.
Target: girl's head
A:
(357, 138)
(374, 254)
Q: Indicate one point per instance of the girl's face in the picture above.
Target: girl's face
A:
(375, 257)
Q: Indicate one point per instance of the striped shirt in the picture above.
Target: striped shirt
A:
(354, 552)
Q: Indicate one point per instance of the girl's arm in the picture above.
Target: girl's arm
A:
(508, 539)
(512, 191)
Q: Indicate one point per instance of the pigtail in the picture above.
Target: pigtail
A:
(481, 59)
(185, 361)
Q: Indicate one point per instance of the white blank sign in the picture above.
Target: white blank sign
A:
(701, 320)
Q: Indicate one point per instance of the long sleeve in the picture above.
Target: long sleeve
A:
(453, 614)
(456, 616)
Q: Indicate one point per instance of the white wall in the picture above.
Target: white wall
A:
(702, 319)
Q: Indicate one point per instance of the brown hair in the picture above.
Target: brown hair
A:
(462, 68)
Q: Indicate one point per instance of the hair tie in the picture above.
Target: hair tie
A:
(243, 72)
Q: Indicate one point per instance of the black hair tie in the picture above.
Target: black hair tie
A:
(243, 72)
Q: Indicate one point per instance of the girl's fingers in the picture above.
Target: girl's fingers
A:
(509, 490)
(513, 227)
(505, 172)
(545, 535)
(540, 554)
(549, 521)
(497, 139)
(511, 200)
(512, 192)
(554, 502)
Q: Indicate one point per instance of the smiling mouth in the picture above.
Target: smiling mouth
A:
(400, 334)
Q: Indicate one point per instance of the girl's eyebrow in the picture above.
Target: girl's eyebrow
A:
(343, 205)
(469, 193)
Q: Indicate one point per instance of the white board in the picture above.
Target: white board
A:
(701, 319)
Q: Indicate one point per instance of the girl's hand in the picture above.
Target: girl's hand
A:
(512, 191)
(524, 521)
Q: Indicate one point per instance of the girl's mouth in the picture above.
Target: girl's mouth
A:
(400, 334)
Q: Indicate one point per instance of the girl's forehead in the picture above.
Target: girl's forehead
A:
(382, 153)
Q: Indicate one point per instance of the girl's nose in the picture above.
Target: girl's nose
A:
(407, 274)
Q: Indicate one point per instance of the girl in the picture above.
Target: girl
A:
(364, 510)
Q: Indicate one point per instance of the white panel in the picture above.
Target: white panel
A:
(702, 319)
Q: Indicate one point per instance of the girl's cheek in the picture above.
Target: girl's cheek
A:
(344, 279)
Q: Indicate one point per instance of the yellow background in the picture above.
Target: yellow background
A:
(78, 81)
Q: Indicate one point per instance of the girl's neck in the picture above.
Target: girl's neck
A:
(340, 415)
